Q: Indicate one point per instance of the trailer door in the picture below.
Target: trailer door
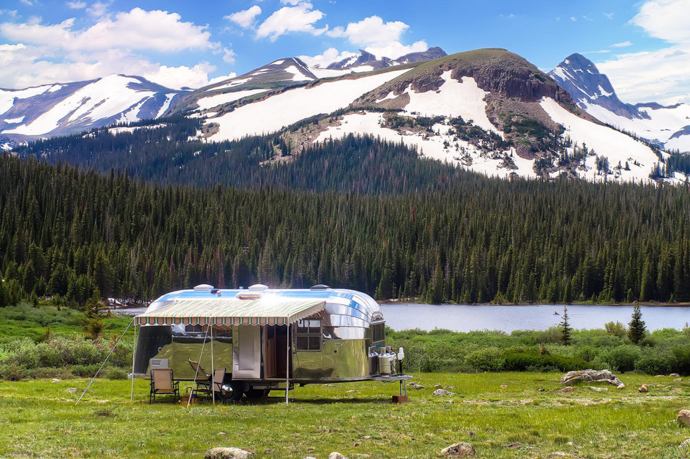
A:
(246, 352)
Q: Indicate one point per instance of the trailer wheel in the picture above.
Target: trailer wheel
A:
(237, 392)
(257, 394)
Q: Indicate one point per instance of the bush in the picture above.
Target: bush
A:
(12, 372)
(115, 373)
(488, 359)
(532, 361)
(656, 364)
(616, 329)
(621, 358)
(682, 359)
(84, 371)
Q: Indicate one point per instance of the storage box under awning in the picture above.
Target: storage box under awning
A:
(231, 311)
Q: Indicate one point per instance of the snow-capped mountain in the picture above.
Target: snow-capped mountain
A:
(65, 108)
(487, 110)
(364, 58)
(287, 72)
(667, 126)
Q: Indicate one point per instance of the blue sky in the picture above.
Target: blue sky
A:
(188, 43)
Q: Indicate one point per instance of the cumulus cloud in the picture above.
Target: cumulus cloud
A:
(659, 75)
(137, 29)
(299, 16)
(76, 5)
(44, 53)
(245, 18)
(326, 58)
(622, 44)
(379, 37)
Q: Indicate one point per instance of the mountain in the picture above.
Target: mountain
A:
(666, 126)
(61, 109)
(367, 61)
(488, 110)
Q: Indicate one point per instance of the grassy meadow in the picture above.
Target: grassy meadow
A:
(501, 414)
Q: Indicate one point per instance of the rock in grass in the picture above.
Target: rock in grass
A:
(336, 455)
(573, 377)
(414, 385)
(643, 389)
(567, 390)
(227, 453)
(442, 392)
(683, 418)
(674, 375)
(461, 449)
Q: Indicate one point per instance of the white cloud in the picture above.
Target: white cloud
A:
(181, 76)
(44, 53)
(665, 19)
(98, 9)
(137, 29)
(326, 58)
(622, 44)
(27, 2)
(245, 18)
(378, 37)
(76, 5)
(660, 75)
(299, 17)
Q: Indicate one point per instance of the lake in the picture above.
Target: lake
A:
(459, 317)
(402, 316)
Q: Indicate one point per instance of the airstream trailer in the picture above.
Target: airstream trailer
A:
(267, 338)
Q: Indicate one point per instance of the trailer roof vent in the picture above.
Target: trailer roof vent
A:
(320, 287)
(249, 295)
(203, 287)
(258, 287)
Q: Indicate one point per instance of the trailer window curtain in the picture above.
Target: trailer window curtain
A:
(308, 335)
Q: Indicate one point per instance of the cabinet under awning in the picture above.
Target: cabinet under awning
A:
(265, 310)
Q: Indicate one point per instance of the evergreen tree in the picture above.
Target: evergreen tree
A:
(566, 330)
(637, 328)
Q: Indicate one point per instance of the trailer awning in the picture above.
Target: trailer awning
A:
(231, 311)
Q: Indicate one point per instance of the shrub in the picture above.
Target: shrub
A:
(12, 372)
(84, 371)
(622, 358)
(682, 359)
(616, 329)
(656, 364)
(115, 373)
(488, 359)
(528, 361)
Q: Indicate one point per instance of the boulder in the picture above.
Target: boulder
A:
(442, 392)
(461, 449)
(674, 375)
(227, 453)
(336, 455)
(416, 386)
(685, 444)
(567, 390)
(683, 418)
(643, 389)
(573, 377)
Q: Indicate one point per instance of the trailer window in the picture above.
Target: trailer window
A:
(308, 335)
(378, 332)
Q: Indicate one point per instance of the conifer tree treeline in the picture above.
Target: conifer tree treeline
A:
(78, 234)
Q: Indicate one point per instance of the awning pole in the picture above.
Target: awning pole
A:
(213, 372)
(196, 372)
(134, 353)
(287, 365)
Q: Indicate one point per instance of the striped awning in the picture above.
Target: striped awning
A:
(231, 311)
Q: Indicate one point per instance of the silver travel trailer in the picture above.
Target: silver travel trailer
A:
(267, 338)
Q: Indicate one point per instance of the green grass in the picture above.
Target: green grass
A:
(36, 322)
(526, 418)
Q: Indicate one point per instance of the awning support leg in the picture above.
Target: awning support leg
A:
(287, 365)
(134, 353)
(213, 372)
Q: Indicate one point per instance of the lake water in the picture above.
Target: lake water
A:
(402, 316)
(464, 318)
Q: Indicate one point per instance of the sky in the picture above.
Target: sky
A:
(644, 46)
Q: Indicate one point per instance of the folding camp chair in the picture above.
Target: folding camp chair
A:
(163, 383)
(199, 372)
(217, 392)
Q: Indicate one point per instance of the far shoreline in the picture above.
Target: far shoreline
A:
(654, 304)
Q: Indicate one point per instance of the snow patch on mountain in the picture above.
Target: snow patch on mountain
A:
(604, 141)
(206, 103)
(293, 105)
(454, 98)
